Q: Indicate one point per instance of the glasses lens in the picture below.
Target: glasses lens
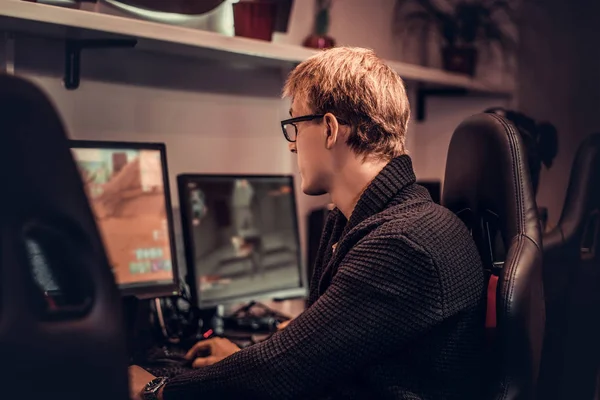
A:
(290, 132)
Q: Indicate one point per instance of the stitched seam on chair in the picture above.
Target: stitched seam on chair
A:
(518, 186)
(518, 183)
(511, 277)
(517, 172)
(512, 272)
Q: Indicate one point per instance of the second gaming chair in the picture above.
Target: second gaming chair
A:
(60, 323)
(487, 185)
(572, 284)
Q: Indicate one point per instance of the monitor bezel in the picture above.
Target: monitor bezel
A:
(146, 290)
(190, 256)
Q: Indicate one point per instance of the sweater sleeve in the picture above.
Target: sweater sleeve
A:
(385, 294)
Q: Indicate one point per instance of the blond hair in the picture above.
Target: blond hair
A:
(357, 87)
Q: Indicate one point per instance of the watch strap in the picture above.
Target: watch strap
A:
(151, 389)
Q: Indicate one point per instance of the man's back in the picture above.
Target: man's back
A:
(436, 277)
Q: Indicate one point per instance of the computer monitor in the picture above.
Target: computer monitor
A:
(241, 237)
(128, 188)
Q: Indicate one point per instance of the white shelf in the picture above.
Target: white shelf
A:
(51, 21)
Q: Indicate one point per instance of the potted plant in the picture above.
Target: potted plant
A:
(462, 25)
(319, 38)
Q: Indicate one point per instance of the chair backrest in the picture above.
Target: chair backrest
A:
(61, 333)
(572, 282)
(580, 218)
(487, 185)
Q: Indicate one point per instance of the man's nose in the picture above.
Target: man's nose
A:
(292, 147)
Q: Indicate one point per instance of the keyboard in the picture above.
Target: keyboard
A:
(166, 361)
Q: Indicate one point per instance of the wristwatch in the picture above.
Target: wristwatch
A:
(150, 391)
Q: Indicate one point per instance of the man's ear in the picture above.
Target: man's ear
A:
(332, 130)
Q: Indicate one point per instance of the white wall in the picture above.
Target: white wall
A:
(212, 133)
(432, 138)
(215, 119)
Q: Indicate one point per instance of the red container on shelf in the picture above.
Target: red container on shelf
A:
(255, 19)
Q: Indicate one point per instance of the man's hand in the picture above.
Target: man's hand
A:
(138, 379)
(218, 348)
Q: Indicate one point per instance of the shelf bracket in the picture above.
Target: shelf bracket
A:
(8, 54)
(73, 50)
(423, 94)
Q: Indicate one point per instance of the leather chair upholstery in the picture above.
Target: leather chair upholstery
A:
(572, 283)
(487, 185)
(61, 331)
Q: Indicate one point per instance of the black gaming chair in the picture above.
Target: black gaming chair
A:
(572, 284)
(488, 186)
(60, 323)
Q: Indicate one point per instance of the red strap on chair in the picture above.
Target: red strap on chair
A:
(490, 313)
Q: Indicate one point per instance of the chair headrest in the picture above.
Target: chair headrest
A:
(487, 183)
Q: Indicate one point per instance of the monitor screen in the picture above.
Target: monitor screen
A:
(127, 186)
(241, 236)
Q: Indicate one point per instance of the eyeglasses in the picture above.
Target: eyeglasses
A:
(290, 129)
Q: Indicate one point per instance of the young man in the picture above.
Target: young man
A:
(396, 307)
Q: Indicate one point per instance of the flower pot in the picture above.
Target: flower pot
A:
(316, 41)
(460, 59)
(255, 19)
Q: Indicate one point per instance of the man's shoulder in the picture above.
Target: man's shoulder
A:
(430, 239)
(416, 219)
(427, 227)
